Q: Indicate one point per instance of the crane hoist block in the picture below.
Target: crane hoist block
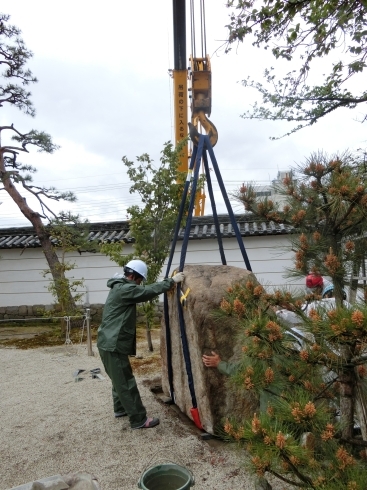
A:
(201, 88)
(201, 85)
(201, 81)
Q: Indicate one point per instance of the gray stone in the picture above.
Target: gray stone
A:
(208, 285)
(82, 481)
(54, 308)
(12, 310)
(23, 310)
(74, 481)
(37, 485)
(55, 482)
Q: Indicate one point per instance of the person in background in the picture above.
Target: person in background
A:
(317, 285)
(117, 337)
(229, 369)
(214, 361)
(328, 292)
(314, 283)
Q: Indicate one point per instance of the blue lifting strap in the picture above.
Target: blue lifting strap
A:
(228, 205)
(214, 209)
(199, 153)
(169, 263)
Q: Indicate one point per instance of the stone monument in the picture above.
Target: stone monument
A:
(216, 399)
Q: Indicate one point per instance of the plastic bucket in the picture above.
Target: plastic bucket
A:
(168, 476)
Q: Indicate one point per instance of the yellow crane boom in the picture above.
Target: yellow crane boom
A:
(201, 84)
(179, 74)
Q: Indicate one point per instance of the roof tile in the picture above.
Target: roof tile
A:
(202, 227)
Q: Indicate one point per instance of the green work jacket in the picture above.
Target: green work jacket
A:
(117, 332)
(227, 368)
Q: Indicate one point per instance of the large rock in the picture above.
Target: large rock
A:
(216, 399)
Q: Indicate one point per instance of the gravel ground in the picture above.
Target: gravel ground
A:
(51, 424)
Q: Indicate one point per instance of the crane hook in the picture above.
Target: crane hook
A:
(209, 127)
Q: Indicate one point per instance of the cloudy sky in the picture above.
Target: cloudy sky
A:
(104, 91)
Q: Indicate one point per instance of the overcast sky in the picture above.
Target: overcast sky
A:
(104, 92)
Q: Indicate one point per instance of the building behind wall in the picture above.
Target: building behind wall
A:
(271, 191)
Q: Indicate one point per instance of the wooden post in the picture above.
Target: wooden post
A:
(89, 336)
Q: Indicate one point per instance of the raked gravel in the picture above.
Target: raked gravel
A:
(51, 424)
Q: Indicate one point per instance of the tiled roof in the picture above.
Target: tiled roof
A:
(201, 228)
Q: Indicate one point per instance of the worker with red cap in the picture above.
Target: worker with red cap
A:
(314, 283)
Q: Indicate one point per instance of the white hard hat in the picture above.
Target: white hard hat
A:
(327, 289)
(330, 287)
(137, 266)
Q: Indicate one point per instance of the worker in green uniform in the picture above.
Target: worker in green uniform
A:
(229, 369)
(214, 361)
(117, 337)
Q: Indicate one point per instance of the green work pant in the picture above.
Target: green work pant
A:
(125, 393)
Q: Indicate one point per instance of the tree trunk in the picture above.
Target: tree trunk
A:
(149, 337)
(354, 283)
(149, 314)
(361, 414)
(358, 269)
(48, 250)
(347, 396)
(64, 296)
(338, 281)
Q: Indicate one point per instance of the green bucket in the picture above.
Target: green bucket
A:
(168, 476)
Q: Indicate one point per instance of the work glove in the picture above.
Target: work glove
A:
(179, 277)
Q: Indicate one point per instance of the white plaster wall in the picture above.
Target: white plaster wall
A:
(22, 283)
(267, 257)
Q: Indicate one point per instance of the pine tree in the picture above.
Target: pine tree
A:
(325, 201)
(312, 377)
(15, 176)
(308, 379)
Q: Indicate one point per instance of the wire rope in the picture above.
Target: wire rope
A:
(68, 340)
(204, 28)
(192, 17)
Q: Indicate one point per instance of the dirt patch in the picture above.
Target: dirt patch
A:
(35, 336)
(151, 363)
(31, 337)
(18, 333)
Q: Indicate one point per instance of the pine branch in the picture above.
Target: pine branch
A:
(287, 480)
(352, 441)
